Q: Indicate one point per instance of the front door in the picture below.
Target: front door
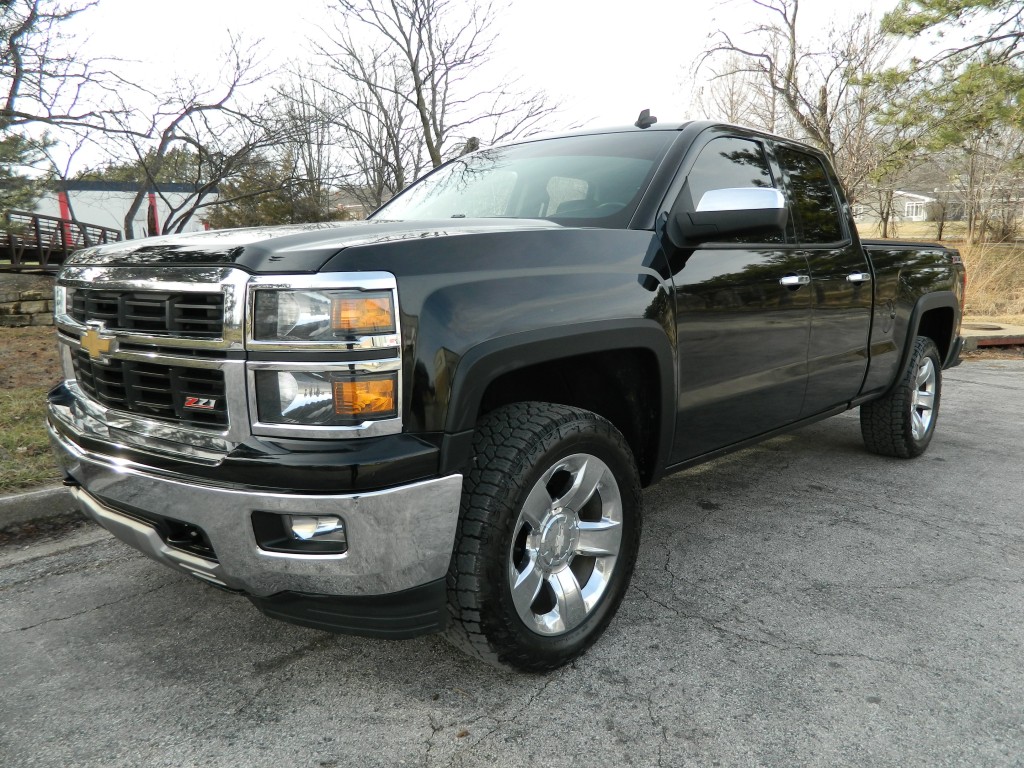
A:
(743, 316)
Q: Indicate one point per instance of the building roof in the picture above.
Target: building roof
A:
(916, 196)
(127, 186)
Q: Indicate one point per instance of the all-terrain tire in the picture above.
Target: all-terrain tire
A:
(548, 533)
(902, 422)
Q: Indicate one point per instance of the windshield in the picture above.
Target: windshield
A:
(579, 181)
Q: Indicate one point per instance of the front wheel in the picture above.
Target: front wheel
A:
(548, 536)
(902, 422)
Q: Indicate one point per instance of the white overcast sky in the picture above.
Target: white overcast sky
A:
(605, 61)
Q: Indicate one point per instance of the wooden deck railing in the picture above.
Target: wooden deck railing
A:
(36, 241)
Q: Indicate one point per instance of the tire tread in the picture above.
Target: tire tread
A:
(884, 422)
(504, 443)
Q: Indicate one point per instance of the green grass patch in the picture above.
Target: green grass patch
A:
(25, 457)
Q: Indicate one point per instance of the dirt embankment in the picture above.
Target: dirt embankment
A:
(28, 357)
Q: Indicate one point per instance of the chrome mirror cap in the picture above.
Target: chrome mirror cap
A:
(741, 199)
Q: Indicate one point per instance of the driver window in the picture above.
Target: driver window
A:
(728, 163)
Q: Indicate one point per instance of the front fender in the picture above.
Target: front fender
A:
(488, 361)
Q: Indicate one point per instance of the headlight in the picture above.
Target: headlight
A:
(62, 301)
(332, 399)
(322, 315)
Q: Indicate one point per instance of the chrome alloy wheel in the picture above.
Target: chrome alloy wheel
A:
(565, 544)
(922, 403)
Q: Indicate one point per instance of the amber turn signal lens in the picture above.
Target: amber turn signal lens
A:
(363, 315)
(365, 398)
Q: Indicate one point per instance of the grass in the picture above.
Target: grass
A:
(995, 282)
(25, 457)
(995, 271)
(916, 230)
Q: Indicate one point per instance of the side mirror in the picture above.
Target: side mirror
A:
(724, 214)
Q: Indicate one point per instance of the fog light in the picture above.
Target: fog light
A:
(300, 534)
(316, 528)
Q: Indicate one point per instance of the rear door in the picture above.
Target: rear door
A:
(840, 290)
(743, 316)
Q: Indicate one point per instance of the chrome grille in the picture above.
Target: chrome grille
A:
(189, 313)
(190, 396)
(131, 377)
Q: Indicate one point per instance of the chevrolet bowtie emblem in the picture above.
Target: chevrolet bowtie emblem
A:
(96, 344)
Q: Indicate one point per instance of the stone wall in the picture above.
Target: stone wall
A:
(25, 300)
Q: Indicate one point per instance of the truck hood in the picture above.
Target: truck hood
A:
(297, 248)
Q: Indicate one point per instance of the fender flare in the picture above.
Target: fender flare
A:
(926, 303)
(484, 363)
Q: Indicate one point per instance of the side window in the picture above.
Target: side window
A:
(729, 163)
(726, 164)
(814, 199)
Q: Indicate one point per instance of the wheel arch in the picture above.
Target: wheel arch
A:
(934, 316)
(633, 381)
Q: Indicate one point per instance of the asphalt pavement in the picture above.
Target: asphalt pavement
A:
(798, 603)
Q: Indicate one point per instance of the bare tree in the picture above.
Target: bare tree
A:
(882, 200)
(985, 177)
(310, 135)
(215, 127)
(830, 95)
(46, 79)
(361, 112)
(410, 92)
(729, 95)
(735, 94)
(385, 149)
(399, 90)
(48, 86)
(221, 150)
(353, 138)
(438, 46)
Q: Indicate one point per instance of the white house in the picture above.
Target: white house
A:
(906, 206)
(909, 206)
(106, 203)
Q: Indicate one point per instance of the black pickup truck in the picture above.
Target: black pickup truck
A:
(440, 419)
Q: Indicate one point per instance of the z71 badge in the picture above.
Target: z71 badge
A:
(202, 403)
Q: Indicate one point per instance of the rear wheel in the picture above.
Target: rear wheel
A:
(902, 423)
(548, 535)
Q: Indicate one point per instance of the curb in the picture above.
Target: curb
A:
(985, 334)
(36, 505)
(973, 343)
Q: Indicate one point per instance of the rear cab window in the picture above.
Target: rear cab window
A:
(813, 196)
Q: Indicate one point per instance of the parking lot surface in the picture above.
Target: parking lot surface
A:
(798, 603)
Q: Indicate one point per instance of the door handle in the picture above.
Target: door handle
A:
(794, 281)
(859, 277)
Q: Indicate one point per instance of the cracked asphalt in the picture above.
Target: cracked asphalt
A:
(798, 603)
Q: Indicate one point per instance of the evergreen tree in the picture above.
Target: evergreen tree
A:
(974, 79)
(969, 94)
(18, 190)
(270, 193)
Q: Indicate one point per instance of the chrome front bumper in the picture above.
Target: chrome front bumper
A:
(398, 538)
